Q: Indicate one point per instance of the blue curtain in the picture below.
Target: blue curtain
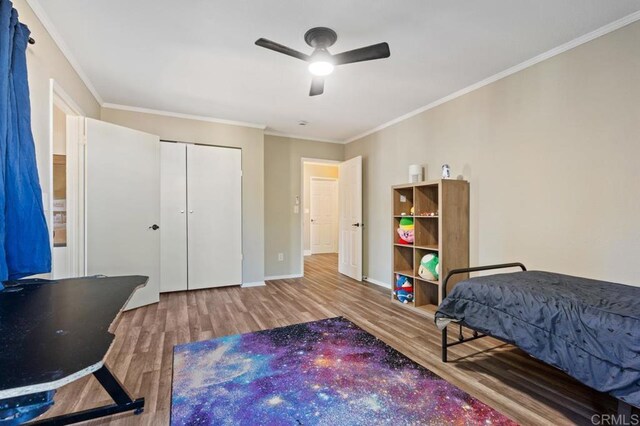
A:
(24, 239)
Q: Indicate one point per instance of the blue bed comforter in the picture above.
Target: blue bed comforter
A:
(589, 329)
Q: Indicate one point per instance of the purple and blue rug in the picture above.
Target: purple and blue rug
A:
(328, 372)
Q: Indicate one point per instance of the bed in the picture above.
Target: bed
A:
(587, 328)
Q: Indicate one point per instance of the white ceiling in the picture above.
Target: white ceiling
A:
(197, 56)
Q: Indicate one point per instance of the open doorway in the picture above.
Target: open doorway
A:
(66, 180)
(347, 254)
(320, 227)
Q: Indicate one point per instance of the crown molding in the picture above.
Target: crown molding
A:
(64, 48)
(306, 138)
(606, 29)
(57, 39)
(181, 115)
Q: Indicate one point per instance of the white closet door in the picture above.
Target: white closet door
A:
(173, 216)
(214, 191)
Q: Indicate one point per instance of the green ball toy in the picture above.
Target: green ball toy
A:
(429, 267)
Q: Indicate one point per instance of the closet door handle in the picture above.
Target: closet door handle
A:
(182, 211)
(154, 227)
(191, 211)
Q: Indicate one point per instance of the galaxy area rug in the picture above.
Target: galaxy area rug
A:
(328, 372)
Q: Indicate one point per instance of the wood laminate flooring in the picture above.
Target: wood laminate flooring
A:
(498, 374)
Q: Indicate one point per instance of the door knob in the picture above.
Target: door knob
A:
(357, 225)
(154, 227)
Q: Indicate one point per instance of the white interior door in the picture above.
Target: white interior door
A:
(214, 199)
(173, 216)
(350, 208)
(122, 205)
(323, 206)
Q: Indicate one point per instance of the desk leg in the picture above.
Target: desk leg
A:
(114, 388)
(117, 392)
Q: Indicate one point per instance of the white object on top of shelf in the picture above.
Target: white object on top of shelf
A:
(415, 173)
(446, 171)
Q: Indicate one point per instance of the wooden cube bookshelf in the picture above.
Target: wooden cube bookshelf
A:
(441, 226)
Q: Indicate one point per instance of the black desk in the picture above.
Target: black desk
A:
(55, 332)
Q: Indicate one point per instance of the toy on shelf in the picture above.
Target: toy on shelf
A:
(405, 214)
(429, 267)
(403, 289)
(429, 214)
(405, 231)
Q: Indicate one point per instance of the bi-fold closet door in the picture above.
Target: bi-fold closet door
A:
(201, 216)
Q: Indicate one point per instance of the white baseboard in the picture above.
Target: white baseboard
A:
(376, 282)
(283, 277)
(253, 284)
(307, 252)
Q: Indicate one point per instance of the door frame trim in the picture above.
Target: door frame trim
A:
(303, 161)
(76, 259)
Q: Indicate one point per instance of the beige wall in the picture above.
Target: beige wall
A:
(251, 142)
(552, 154)
(283, 181)
(313, 170)
(45, 61)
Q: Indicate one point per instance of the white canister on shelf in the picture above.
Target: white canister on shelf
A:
(415, 173)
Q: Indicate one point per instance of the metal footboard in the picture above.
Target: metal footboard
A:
(476, 335)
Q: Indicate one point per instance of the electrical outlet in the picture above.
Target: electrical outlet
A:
(280, 257)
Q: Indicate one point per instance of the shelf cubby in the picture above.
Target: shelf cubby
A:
(425, 293)
(396, 224)
(403, 260)
(426, 199)
(402, 200)
(426, 232)
(418, 254)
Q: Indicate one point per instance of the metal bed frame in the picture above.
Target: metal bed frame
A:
(624, 409)
(461, 339)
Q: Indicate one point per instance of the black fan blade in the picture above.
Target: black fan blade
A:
(369, 53)
(272, 45)
(317, 86)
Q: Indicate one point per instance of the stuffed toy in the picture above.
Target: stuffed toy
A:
(405, 230)
(429, 267)
(403, 289)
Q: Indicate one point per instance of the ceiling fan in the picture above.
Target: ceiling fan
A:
(321, 62)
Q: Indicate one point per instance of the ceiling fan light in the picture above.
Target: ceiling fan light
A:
(320, 68)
